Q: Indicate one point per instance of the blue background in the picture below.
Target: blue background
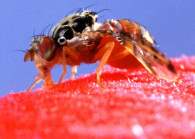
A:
(171, 22)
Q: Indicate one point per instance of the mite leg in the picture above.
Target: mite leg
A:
(64, 66)
(133, 49)
(36, 81)
(73, 72)
(63, 73)
(104, 59)
(74, 55)
(46, 76)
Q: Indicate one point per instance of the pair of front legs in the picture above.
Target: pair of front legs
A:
(46, 76)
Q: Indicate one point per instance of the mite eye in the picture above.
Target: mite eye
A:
(79, 25)
(64, 34)
(61, 40)
(67, 32)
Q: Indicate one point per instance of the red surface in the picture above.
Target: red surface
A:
(130, 105)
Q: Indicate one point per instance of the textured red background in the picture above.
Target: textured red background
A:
(132, 104)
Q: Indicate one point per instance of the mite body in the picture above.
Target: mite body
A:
(119, 43)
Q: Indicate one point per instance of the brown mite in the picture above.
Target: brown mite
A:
(119, 43)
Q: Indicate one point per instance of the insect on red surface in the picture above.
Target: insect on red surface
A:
(79, 38)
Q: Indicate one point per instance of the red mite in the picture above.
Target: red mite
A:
(119, 43)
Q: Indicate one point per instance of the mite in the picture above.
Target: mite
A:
(119, 43)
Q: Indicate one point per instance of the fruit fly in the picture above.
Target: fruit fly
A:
(119, 43)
